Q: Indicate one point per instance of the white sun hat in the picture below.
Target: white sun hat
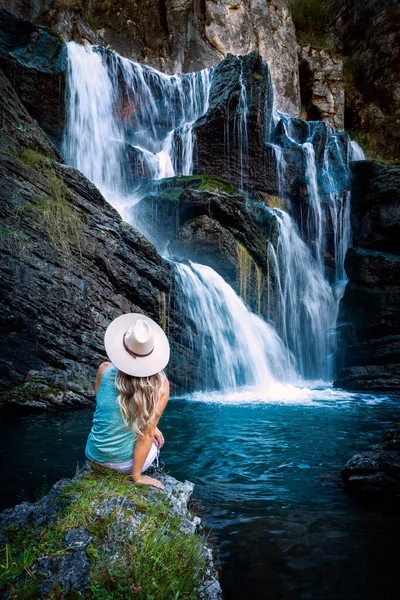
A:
(136, 345)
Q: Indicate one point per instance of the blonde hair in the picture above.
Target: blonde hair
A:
(138, 398)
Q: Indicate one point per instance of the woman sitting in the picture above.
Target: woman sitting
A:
(132, 392)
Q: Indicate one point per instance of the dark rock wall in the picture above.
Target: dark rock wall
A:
(367, 34)
(34, 60)
(370, 309)
(69, 266)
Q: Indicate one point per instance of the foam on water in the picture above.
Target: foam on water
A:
(311, 394)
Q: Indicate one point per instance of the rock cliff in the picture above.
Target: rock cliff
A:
(178, 36)
(369, 311)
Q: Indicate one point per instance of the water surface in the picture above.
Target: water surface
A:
(267, 472)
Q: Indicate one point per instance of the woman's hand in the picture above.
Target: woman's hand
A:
(159, 438)
(148, 481)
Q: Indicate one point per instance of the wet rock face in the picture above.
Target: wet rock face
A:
(370, 308)
(231, 143)
(199, 218)
(321, 86)
(181, 36)
(69, 266)
(367, 34)
(34, 59)
(376, 472)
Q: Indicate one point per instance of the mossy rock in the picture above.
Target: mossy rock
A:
(32, 395)
(119, 537)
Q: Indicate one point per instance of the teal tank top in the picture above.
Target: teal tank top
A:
(109, 439)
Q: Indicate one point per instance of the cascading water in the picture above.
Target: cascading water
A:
(234, 347)
(305, 306)
(357, 153)
(127, 123)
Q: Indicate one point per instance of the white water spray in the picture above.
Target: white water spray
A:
(235, 347)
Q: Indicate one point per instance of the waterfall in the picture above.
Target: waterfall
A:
(305, 309)
(357, 153)
(128, 123)
(234, 347)
(315, 219)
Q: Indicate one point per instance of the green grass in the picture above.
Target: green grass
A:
(34, 159)
(159, 561)
(61, 222)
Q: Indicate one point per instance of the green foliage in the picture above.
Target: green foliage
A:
(34, 159)
(158, 561)
(382, 145)
(309, 18)
(308, 15)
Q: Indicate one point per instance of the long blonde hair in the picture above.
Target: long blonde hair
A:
(138, 398)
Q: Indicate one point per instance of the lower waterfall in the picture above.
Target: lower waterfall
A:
(234, 347)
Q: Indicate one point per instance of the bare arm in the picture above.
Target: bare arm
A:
(143, 444)
(100, 372)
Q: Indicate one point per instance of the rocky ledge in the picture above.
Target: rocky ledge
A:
(376, 472)
(98, 531)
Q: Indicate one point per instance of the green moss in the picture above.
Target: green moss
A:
(162, 301)
(172, 188)
(158, 561)
(62, 223)
(382, 145)
(244, 270)
(30, 392)
(13, 239)
(34, 159)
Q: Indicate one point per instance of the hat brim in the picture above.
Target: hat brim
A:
(140, 366)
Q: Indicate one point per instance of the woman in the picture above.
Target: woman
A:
(132, 392)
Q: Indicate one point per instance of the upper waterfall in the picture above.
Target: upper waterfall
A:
(121, 113)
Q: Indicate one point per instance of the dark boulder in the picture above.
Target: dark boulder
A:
(204, 220)
(369, 267)
(34, 59)
(205, 241)
(376, 206)
(375, 474)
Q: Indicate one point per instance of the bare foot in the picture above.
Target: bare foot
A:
(149, 481)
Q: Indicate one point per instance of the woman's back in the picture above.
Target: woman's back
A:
(109, 440)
